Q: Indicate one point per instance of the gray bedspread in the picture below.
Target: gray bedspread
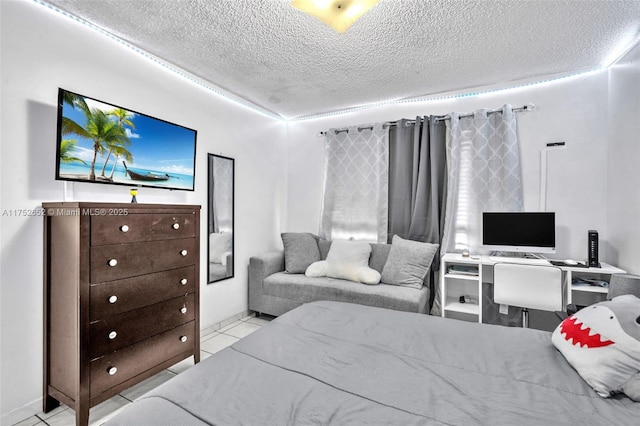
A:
(337, 363)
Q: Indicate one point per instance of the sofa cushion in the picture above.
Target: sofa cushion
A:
(300, 251)
(408, 262)
(379, 255)
(304, 289)
(348, 260)
(324, 246)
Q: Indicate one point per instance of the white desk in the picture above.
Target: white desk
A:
(468, 278)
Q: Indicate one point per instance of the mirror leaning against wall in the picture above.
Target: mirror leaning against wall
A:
(220, 217)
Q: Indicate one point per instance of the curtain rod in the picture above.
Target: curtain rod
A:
(528, 107)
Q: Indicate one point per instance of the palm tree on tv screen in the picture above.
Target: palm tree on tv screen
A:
(71, 127)
(103, 132)
(117, 152)
(123, 118)
(67, 147)
(75, 101)
(99, 128)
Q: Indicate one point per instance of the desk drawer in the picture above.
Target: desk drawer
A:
(113, 333)
(136, 359)
(140, 227)
(112, 262)
(115, 297)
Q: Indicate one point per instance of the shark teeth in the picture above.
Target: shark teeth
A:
(579, 334)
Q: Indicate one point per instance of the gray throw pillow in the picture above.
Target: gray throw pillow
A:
(300, 251)
(379, 256)
(408, 262)
(324, 246)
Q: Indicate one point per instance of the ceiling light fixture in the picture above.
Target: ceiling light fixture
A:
(338, 14)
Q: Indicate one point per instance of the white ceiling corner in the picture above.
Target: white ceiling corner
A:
(291, 64)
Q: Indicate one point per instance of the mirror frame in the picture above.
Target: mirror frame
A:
(211, 161)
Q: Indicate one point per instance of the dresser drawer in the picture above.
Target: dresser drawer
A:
(116, 261)
(116, 332)
(117, 367)
(115, 297)
(120, 229)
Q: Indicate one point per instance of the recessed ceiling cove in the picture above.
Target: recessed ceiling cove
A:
(292, 64)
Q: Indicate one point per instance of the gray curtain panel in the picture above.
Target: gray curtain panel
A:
(417, 179)
(417, 182)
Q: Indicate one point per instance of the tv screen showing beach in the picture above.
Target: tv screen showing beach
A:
(104, 143)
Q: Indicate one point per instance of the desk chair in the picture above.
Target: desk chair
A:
(528, 286)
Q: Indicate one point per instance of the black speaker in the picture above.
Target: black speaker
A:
(593, 249)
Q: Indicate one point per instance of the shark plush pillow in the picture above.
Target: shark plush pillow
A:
(602, 342)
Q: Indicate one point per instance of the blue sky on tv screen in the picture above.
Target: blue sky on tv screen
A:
(156, 145)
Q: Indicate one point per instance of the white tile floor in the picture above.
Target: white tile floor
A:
(211, 341)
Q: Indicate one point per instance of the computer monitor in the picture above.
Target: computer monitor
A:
(524, 232)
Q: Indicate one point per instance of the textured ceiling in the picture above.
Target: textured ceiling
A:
(293, 65)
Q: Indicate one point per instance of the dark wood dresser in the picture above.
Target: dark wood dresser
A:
(121, 297)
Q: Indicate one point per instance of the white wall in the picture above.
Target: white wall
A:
(41, 51)
(572, 110)
(623, 184)
(279, 168)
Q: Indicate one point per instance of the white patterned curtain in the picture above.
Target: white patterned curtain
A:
(484, 174)
(355, 184)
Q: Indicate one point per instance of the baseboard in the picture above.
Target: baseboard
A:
(22, 413)
(225, 322)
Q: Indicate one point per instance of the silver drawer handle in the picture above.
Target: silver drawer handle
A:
(113, 262)
(113, 299)
(183, 310)
(113, 335)
(183, 252)
(124, 228)
(183, 339)
(112, 371)
(183, 281)
(176, 226)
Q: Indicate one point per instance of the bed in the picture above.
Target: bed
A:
(339, 363)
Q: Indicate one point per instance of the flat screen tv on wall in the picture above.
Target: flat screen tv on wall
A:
(104, 143)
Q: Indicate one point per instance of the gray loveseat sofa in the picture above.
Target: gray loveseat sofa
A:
(274, 291)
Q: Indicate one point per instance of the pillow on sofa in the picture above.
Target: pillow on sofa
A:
(348, 260)
(324, 246)
(602, 342)
(300, 251)
(408, 262)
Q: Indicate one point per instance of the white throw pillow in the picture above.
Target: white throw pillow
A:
(219, 245)
(348, 260)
